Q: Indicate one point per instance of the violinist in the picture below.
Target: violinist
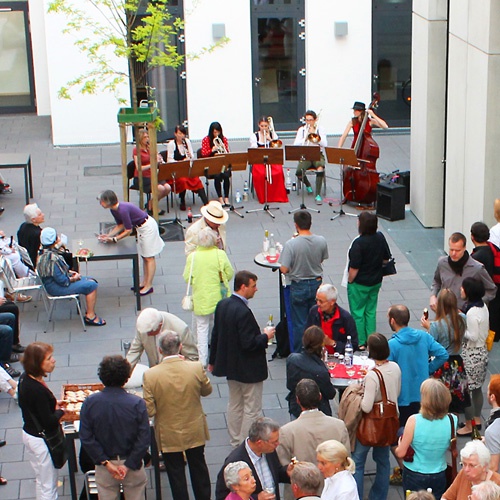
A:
(276, 191)
(311, 135)
(212, 144)
(177, 150)
(359, 110)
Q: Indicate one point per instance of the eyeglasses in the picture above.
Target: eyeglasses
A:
(470, 466)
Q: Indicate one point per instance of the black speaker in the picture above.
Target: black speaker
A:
(391, 200)
(404, 179)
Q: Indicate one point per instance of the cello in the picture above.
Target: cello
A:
(360, 182)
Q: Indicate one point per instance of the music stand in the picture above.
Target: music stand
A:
(208, 166)
(303, 153)
(235, 162)
(267, 157)
(343, 157)
(172, 171)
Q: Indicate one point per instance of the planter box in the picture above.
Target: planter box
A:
(128, 115)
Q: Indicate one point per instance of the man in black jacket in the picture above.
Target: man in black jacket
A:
(259, 452)
(335, 322)
(238, 352)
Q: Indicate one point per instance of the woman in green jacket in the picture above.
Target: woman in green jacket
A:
(210, 272)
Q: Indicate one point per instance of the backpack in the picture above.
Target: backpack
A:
(496, 263)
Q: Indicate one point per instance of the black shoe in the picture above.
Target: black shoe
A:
(14, 358)
(11, 371)
(2, 442)
(18, 348)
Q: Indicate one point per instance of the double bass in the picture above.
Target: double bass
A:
(360, 182)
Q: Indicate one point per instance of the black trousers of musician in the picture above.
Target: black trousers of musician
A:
(222, 178)
(198, 471)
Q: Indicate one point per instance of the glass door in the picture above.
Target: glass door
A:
(391, 60)
(17, 89)
(278, 61)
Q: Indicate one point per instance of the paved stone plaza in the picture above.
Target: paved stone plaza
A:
(68, 198)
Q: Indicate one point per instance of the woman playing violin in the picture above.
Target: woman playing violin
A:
(359, 110)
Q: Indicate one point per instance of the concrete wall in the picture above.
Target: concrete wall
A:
(428, 108)
(473, 139)
(219, 84)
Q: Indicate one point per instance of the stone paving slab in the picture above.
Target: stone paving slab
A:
(68, 199)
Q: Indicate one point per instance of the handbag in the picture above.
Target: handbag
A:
(451, 470)
(56, 443)
(489, 340)
(380, 426)
(187, 300)
(389, 267)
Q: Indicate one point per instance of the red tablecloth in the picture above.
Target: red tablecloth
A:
(339, 371)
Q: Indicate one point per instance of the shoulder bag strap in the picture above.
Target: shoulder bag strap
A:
(190, 274)
(453, 446)
(382, 385)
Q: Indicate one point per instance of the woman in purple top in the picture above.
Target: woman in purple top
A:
(149, 243)
(239, 479)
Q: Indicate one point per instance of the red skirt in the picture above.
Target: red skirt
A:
(184, 183)
(276, 191)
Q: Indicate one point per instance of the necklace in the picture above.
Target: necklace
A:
(380, 363)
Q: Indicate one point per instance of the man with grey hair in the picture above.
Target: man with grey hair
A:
(299, 438)
(306, 481)
(173, 391)
(28, 234)
(336, 322)
(150, 325)
(259, 452)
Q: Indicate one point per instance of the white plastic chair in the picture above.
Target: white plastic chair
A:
(17, 285)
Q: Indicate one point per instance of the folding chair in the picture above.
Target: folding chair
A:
(17, 285)
(50, 302)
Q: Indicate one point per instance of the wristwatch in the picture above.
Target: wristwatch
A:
(104, 463)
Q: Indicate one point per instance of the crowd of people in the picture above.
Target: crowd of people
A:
(432, 375)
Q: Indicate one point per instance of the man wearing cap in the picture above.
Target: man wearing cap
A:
(359, 110)
(311, 135)
(150, 325)
(28, 234)
(215, 217)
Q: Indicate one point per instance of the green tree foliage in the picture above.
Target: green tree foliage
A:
(129, 29)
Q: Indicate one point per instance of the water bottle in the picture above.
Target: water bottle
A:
(238, 197)
(272, 246)
(294, 186)
(288, 181)
(189, 215)
(245, 191)
(265, 245)
(348, 353)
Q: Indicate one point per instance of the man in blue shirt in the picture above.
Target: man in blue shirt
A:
(114, 429)
(411, 349)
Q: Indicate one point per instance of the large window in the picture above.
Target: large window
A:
(16, 67)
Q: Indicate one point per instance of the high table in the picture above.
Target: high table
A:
(20, 160)
(261, 260)
(124, 249)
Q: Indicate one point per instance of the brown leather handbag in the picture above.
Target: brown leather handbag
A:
(380, 426)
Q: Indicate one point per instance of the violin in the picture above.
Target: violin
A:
(360, 183)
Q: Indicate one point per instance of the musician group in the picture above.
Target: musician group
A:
(268, 180)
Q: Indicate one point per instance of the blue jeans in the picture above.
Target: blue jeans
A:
(415, 481)
(380, 488)
(302, 298)
(7, 324)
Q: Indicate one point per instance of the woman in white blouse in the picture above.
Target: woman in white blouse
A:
(337, 468)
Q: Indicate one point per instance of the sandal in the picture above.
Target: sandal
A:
(95, 321)
(3, 481)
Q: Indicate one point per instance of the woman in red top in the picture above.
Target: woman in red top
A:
(359, 110)
(209, 148)
(163, 188)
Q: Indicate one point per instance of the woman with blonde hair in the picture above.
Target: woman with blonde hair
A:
(429, 434)
(337, 468)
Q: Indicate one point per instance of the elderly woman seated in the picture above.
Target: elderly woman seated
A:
(59, 280)
(239, 479)
(475, 458)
